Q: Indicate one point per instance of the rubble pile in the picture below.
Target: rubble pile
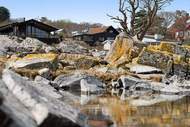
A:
(37, 77)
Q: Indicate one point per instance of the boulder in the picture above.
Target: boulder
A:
(45, 108)
(119, 52)
(156, 58)
(12, 112)
(79, 61)
(69, 81)
(142, 69)
(174, 48)
(91, 85)
(127, 81)
(35, 61)
(40, 79)
(86, 63)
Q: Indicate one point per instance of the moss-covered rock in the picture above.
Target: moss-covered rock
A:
(156, 59)
(119, 52)
(86, 63)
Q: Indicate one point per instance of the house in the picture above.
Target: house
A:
(30, 28)
(180, 30)
(97, 34)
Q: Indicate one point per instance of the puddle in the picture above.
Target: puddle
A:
(111, 111)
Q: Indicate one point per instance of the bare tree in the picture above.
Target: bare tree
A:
(131, 7)
(125, 7)
(168, 18)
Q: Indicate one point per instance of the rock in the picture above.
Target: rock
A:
(100, 54)
(141, 86)
(71, 48)
(50, 49)
(127, 81)
(91, 85)
(79, 61)
(69, 81)
(85, 63)
(119, 52)
(43, 80)
(12, 112)
(35, 61)
(46, 110)
(174, 48)
(142, 69)
(179, 56)
(46, 73)
(156, 59)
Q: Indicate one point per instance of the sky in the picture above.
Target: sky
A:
(93, 11)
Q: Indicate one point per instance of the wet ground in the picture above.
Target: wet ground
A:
(111, 111)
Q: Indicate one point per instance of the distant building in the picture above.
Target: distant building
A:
(31, 28)
(180, 30)
(97, 34)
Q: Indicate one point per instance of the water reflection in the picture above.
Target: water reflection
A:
(120, 109)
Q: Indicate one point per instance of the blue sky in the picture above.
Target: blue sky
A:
(74, 10)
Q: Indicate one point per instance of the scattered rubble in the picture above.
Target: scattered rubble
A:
(49, 73)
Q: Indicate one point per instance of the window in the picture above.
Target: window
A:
(36, 32)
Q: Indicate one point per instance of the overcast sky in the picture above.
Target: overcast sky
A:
(74, 10)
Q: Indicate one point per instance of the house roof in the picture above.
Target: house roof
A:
(96, 30)
(179, 25)
(31, 22)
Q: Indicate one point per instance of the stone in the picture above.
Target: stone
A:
(69, 81)
(43, 80)
(91, 85)
(46, 110)
(71, 48)
(119, 52)
(100, 54)
(79, 61)
(12, 112)
(35, 61)
(156, 58)
(127, 81)
(46, 73)
(142, 69)
(85, 63)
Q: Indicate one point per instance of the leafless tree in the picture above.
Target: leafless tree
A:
(131, 7)
(168, 18)
(125, 7)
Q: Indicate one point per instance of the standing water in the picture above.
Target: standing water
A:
(109, 110)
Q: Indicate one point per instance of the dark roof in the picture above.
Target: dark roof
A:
(33, 22)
